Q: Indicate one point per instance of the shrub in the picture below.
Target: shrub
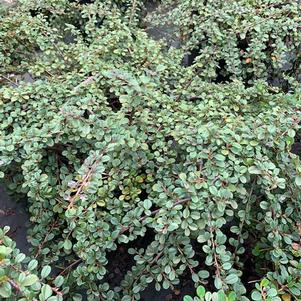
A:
(15, 278)
(243, 39)
(114, 140)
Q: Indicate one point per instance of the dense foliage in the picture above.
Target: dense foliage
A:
(245, 39)
(112, 139)
(22, 279)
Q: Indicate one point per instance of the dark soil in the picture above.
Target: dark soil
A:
(14, 214)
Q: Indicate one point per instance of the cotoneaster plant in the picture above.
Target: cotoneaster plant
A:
(19, 279)
(113, 141)
(244, 39)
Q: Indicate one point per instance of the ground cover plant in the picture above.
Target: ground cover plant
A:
(119, 146)
(245, 40)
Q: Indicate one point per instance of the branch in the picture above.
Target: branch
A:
(56, 291)
(45, 239)
(85, 82)
(216, 264)
(82, 185)
(133, 10)
(188, 84)
(70, 266)
(9, 80)
(18, 288)
(87, 176)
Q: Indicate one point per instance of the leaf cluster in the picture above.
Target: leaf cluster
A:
(111, 139)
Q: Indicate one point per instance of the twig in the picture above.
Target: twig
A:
(70, 266)
(46, 34)
(216, 264)
(156, 258)
(18, 288)
(188, 84)
(87, 177)
(55, 290)
(150, 264)
(9, 80)
(49, 73)
(133, 11)
(82, 185)
(217, 270)
(45, 239)
(86, 81)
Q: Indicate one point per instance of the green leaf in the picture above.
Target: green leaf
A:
(136, 289)
(5, 290)
(295, 290)
(5, 251)
(101, 203)
(20, 257)
(105, 158)
(213, 190)
(58, 281)
(147, 204)
(218, 283)
(67, 244)
(221, 296)
(201, 291)
(208, 296)
(187, 298)
(157, 187)
(32, 264)
(231, 279)
(30, 280)
(77, 297)
(232, 296)
(45, 271)
(254, 170)
(272, 292)
(186, 213)
(227, 266)
(203, 274)
(254, 143)
(46, 292)
(195, 277)
(256, 296)
(182, 176)
(298, 180)
(264, 282)
(220, 157)
(53, 298)
(160, 68)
